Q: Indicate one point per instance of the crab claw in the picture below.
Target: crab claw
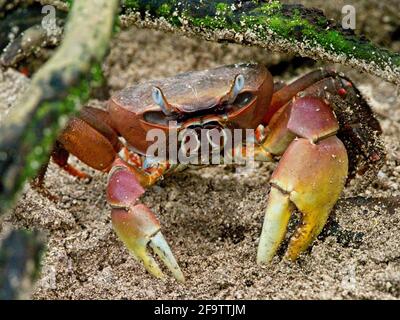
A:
(136, 225)
(139, 230)
(310, 177)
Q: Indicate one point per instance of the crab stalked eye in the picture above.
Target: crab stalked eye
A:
(239, 84)
(157, 95)
(159, 99)
(236, 87)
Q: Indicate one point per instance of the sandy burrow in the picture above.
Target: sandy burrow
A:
(212, 217)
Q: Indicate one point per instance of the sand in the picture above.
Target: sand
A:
(212, 217)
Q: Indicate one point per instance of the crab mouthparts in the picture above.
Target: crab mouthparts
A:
(207, 138)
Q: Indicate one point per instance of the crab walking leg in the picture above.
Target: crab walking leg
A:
(286, 92)
(135, 224)
(310, 177)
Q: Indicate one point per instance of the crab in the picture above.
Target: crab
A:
(319, 128)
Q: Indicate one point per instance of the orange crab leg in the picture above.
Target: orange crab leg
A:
(285, 93)
(91, 138)
(134, 223)
(278, 135)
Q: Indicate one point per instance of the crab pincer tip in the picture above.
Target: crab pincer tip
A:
(164, 253)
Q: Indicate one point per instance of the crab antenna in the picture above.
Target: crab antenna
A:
(236, 87)
(161, 101)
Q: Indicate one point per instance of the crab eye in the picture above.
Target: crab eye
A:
(157, 96)
(159, 99)
(239, 84)
(236, 87)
